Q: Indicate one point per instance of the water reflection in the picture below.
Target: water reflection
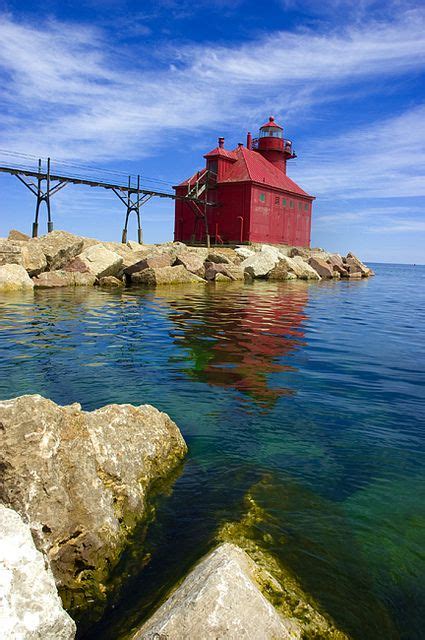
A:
(237, 339)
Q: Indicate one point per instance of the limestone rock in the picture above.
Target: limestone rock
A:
(81, 480)
(235, 271)
(304, 252)
(111, 282)
(218, 258)
(261, 263)
(308, 273)
(101, 261)
(212, 269)
(244, 252)
(354, 265)
(220, 598)
(323, 268)
(59, 247)
(337, 264)
(165, 275)
(30, 608)
(14, 234)
(10, 253)
(77, 265)
(152, 261)
(134, 246)
(192, 262)
(13, 277)
(61, 278)
(220, 277)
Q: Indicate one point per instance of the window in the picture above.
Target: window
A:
(212, 165)
(306, 207)
(276, 200)
(284, 202)
(291, 204)
(262, 197)
(300, 206)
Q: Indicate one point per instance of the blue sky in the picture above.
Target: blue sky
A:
(141, 87)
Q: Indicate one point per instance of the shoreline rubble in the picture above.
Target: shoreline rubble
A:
(62, 259)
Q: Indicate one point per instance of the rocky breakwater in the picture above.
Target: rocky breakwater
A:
(82, 481)
(61, 259)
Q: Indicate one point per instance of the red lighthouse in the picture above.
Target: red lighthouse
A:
(244, 195)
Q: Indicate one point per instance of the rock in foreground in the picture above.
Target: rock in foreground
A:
(220, 598)
(30, 608)
(13, 277)
(81, 480)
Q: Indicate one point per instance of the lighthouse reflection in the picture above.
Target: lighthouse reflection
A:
(242, 337)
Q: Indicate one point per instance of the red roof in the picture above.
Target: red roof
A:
(220, 151)
(271, 123)
(252, 166)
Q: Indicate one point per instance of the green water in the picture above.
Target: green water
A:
(309, 398)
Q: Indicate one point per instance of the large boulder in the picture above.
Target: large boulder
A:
(13, 277)
(82, 479)
(354, 265)
(244, 252)
(291, 266)
(308, 273)
(260, 264)
(337, 264)
(218, 258)
(30, 607)
(10, 253)
(101, 262)
(192, 262)
(165, 275)
(324, 269)
(152, 261)
(212, 269)
(220, 598)
(61, 278)
(59, 247)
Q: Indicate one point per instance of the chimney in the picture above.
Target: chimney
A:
(221, 143)
(249, 140)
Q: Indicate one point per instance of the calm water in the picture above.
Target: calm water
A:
(309, 398)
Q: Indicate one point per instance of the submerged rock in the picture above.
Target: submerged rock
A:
(30, 607)
(82, 479)
(13, 277)
(220, 598)
(111, 282)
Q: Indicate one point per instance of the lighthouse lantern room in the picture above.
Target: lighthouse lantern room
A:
(245, 196)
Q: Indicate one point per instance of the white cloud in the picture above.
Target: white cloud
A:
(68, 93)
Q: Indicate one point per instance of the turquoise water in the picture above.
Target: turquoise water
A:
(307, 397)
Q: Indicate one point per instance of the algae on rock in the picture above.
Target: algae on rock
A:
(82, 480)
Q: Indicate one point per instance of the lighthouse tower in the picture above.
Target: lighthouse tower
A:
(272, 145)
(248, 196)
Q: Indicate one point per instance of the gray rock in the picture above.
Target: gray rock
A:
(101, 262)
(30, 608)
(59, 247)
(81, 480)
(220, 598)
(13, 277)
(244, 252)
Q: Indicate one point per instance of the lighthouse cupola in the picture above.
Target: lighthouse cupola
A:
(272, 145)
